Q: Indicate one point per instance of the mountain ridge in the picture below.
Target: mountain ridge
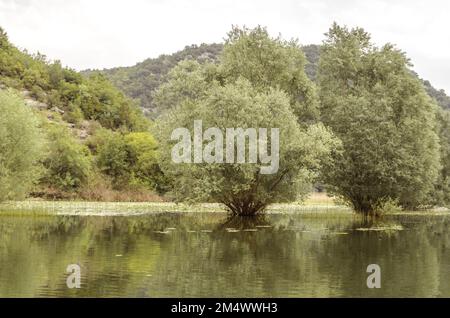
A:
(139, 81)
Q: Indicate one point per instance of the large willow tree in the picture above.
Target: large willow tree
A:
(259, 83)
(384, 118)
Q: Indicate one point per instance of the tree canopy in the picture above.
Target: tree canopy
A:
(245, 90)
(143, 79)
(384, 118)
(21, 147)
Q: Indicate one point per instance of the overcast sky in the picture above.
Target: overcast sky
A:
(107, 33)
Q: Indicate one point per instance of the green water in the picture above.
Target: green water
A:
(208, 255)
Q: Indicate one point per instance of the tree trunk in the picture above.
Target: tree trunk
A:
(365, 208)
(246, 208)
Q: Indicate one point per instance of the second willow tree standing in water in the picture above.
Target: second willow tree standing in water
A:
(385, 120)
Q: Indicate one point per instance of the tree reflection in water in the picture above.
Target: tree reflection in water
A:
(211, 254)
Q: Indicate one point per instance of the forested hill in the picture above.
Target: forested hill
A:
(141, 80)
(49, 86)
(77, 137)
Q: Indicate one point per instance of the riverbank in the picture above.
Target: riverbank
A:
(134, 208)
(317, 203)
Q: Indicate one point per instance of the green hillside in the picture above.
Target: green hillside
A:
(94, 140)
(141, 80)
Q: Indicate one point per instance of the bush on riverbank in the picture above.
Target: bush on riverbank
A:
(21, 147)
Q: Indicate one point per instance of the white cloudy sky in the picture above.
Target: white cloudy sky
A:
(106, 33)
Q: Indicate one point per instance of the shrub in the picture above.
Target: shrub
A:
(142, 148)
(129, 160)
(100, 188)
(113, 157)
(68, 163)
(73, 114)
(21, 145)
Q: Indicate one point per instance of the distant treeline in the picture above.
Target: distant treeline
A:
(140, 81)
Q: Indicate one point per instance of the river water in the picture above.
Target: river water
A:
(211, 255)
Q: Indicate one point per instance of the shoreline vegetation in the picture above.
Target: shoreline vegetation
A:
(366, 130)
(317, 204)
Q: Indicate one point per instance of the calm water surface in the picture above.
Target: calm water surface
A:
(210, 255)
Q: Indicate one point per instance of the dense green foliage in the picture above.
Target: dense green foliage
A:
(312, 54)
(385, 119)
(67, 163)
(141, 80)
(129, 159)
(113, 158)
(250, 87)
(93, 98)
(70, 106)
(440, 96)
(270, 63)
(21, 147)
(253, 55)
(394, 143)
(441, 194)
